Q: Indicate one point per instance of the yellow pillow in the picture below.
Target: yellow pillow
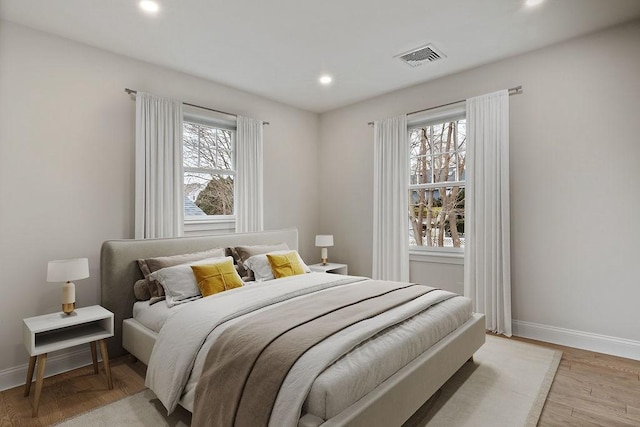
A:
(283, 265)
(214, 278)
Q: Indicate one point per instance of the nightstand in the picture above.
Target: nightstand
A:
(57, 331)
(331, 267)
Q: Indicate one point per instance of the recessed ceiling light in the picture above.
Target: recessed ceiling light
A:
(325, 80)
(149, 6)
(532, 3)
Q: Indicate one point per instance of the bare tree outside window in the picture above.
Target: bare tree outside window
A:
(436, 187)
(208, 170)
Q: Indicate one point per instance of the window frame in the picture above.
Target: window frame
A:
(447, 254)
(197, 223)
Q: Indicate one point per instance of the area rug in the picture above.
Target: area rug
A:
(140, 410)
(505, 385)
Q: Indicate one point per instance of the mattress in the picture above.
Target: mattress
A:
(367, 365)
(153, 316)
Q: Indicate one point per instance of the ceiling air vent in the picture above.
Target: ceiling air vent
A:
(423, 54)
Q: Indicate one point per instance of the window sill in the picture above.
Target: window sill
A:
(441, 256)
(209, 224)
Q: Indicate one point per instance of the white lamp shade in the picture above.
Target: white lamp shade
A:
(66, 270)
(324, 240)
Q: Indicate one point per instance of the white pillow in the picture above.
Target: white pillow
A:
(261, 268)
(179, 282)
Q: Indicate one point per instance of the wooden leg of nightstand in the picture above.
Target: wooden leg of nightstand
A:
(105, 361)
(42, 361)
(94, 357)
(32, 367)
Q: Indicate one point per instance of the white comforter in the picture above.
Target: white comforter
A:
(185, 333)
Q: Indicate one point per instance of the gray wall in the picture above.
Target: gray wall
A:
(575, 169)
(66, 165)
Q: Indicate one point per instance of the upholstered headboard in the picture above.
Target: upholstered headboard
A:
(119, 268)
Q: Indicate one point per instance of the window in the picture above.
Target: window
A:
(437, 153)
(209, 171)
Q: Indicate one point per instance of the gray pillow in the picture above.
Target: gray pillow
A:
(149, 265)
(179, 282)
(141, 290)
(261, 267)
(242, 272)
(246, 252)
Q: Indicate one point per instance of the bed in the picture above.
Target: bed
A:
(389, 403)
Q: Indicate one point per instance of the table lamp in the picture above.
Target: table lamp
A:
(66, 270)
(324, 241)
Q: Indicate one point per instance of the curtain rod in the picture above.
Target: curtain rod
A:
(133, 92)
(512, 91)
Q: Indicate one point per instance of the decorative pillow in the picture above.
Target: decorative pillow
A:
(261, 268)
(218, 277)
(285, 265)
(246, 252)
(179, 284)
(141, 290)
(149, 265)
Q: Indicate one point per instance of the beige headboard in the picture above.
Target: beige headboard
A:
(119, 268)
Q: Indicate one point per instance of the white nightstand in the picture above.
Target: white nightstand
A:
(331, 267)
(57, 331)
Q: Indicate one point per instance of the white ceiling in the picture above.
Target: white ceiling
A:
(279, 48)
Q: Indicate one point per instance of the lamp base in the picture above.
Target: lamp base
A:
(324, 256)
(68, 308)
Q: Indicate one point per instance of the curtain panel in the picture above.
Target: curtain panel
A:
(249, 171)
(159, 207)
(487, 266)
(391, 200)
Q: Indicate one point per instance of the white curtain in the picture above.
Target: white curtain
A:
(487, 264)
(159, 177)
(390, 200)
(249, 203)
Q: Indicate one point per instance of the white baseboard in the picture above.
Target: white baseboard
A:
(57, 363)
(584, 340)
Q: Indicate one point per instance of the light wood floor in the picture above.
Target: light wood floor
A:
(590, 389)
(71, 393)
